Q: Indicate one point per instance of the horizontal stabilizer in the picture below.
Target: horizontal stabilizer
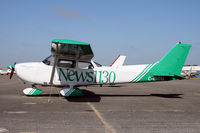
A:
(167, 77)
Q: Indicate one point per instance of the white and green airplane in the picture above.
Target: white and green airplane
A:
(71, 66)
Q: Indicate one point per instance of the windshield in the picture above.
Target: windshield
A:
(49, 60)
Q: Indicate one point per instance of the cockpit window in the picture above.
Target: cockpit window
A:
(97, 64)
(66, 63)
(85, 65)
(49, 60)
(71, 64)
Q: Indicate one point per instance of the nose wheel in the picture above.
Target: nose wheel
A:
(32, 91)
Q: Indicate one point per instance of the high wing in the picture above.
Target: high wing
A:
(71, 50)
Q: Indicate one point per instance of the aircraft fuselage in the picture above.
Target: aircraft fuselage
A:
(40, 73)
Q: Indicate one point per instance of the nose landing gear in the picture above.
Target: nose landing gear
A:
(32, 91)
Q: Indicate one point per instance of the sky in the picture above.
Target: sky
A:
(143, 30)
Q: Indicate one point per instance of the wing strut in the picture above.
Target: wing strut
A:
(54, 65)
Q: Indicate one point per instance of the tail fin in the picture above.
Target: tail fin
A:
(172, 63)
(119, 61)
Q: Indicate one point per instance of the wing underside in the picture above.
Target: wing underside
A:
(72, 50)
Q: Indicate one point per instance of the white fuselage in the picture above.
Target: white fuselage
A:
(40, 73)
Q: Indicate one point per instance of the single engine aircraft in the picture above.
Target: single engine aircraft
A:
(190, 71)
(70, 66)
(5, 72)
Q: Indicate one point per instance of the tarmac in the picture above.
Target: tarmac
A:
(153, 107)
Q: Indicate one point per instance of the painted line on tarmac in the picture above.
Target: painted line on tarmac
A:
(30, 103)
(3, 130)
(195, 78)
(101, 118)
(27, 132)
(16, 112)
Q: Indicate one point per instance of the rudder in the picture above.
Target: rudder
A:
(172, 63)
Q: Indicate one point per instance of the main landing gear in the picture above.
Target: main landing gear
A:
(71, 92)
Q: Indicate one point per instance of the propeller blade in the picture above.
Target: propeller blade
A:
(11, 74)
(12, 70)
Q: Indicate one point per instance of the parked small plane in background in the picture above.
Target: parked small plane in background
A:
(190, 71)
(5, 72)
(8, 71)
(71, 66)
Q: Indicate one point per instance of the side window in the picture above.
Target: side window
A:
(66, 63)
(85, 65)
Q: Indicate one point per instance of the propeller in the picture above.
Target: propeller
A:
(12, 70)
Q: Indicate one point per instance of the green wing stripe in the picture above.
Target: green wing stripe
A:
(142, 73)
(66, 41)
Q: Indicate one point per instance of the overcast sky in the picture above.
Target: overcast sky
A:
(143, 30)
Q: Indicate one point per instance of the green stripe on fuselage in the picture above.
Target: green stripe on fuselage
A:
(144, 70)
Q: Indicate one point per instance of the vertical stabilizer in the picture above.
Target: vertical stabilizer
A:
(172, 63)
